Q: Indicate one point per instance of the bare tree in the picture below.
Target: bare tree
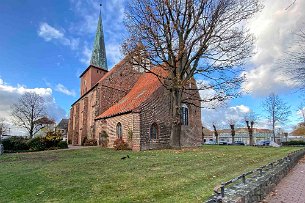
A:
(28, 111)
(291, 4)
(3, 127)
(250, 119)
(301, 109)
(215, 132)
(293, 64)
(190, 37)
(232, 123)
(277, 110)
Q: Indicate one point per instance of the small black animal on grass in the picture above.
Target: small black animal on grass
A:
(124, 157)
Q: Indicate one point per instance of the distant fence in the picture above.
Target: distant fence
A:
(254, 185)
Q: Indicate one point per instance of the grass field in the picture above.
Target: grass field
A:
(100, 175)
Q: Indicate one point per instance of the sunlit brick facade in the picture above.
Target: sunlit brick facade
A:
(129, 103)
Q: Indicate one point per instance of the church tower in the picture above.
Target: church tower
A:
(98, 58)
(98, 63)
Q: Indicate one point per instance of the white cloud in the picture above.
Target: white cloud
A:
(241, 108)
(86, 55)
(113, 52)
(61, 88)
(207, 94)
(10, 94)
(273, 29)
(20, 89)
(221, 116)
(48, 33)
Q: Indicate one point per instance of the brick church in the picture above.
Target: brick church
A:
(129, 103)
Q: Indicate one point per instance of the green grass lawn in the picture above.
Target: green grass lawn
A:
(99, 175)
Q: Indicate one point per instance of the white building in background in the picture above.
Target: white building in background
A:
(242, 134)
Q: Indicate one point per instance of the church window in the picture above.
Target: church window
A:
(119, 130)
(154, 131)
(184, 115)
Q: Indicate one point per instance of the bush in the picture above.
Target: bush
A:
(62, 145)
(293, 142)
(104, 139)
(52, 139)
(90, 142)
(37, 144)
(8, 144)
(84, 141)
(119, 144)
(15, 144)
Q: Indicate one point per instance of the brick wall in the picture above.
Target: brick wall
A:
(191, 135)
(81, 122)
(109, 91)
(90, 77)
(157, 110)
(130, 123)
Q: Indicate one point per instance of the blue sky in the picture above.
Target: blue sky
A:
(45, 46)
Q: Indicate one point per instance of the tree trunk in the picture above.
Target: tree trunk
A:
(202, 139)
(216, 133)
(32, 122)
(31, 130)
(250, 130)
(176, 118)
(232, 133)
(251, 142)
(273, 131)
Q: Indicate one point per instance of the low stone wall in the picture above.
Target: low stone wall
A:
(260, 183)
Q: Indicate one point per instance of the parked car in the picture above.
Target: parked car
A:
(223, 143)
(210, 142)
(263, 143)
(239, 143)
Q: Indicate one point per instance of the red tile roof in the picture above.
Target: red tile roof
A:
(114, 69)
(109, 73)
(263, 130)
(147, 84)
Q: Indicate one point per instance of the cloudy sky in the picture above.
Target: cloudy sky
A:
(44, 47)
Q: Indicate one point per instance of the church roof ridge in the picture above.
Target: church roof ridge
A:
(146, 85)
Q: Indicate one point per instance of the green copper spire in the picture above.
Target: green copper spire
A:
(98, 57)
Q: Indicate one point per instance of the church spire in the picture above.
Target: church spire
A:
(98, 57)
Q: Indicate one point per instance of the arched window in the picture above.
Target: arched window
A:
(184, 115)
(154, 131)
(119, 130)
